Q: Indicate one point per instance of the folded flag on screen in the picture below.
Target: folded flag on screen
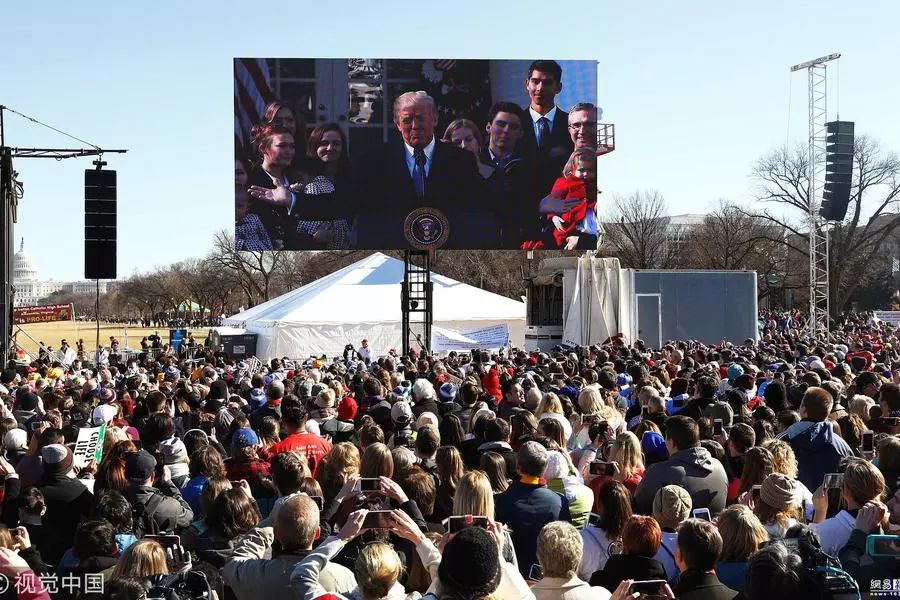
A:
(252, 91)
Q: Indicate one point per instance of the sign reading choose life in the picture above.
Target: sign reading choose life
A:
(89, 445)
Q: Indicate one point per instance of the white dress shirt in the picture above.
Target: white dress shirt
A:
(411, 159)
(535, 115)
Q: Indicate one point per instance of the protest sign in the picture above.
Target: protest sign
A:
(89, 445)
(23, 315)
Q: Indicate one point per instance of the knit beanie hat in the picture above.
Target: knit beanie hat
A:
(347, 409)
(57, 458)
(15, 439)
(173, 451)
(470, 566)
(325, 398)
(671, 505)
(557, 467)
(779, 491)
(654, 447)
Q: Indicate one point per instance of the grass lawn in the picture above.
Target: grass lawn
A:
(52, 333)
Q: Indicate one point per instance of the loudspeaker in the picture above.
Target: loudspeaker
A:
(838, 170)
(99, 259)
(99, 224)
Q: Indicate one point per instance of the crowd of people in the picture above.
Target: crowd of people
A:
(525, 179)
(761, 470)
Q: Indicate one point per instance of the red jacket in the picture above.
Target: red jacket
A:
(571, 188)
(491, 384)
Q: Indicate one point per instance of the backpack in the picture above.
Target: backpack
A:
(142, 521)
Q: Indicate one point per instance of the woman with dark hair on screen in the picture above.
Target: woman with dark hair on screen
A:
(322, 211)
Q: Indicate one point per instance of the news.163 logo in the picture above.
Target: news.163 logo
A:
(29, 583)
(885, 588)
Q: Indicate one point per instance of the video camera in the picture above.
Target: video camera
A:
(825, 570)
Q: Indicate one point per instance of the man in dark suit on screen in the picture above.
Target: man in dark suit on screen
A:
(546, 140)
(420, 175)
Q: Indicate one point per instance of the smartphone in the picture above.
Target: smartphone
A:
(175, 556)
(319, 500)
(589, 419)
(36, 425)
(883, 545)
(599, 467)
(378, 519)
(702, 513)
(369, 484)
(235, 483)
(458, 523)
(594, 519)
(718, 427)
(755, 493)
(535, 572)
(868, 441)
(834, 481)
(650, 587)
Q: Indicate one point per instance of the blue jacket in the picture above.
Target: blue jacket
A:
(732, 574)
(818, 449)
(191, 492)
(525, 509)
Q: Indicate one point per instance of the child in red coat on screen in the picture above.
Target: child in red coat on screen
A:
(577, 228)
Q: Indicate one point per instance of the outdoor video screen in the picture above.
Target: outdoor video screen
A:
(415, 154)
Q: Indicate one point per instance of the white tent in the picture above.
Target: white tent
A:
(362, 301)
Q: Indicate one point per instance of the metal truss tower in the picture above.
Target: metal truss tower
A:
(819, 291)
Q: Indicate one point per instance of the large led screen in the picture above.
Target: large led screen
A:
(415, 154)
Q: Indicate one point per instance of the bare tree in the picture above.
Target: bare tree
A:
(872, 219)
(731, 239)
(638, 231)
(254, 270)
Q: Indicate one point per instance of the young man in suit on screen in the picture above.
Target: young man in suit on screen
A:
(546, 134)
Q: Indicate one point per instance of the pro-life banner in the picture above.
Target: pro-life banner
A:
(486, 338)
(888, 316)
(89, 445)
(23, 315)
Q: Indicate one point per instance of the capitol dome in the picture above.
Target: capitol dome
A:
(23, 268)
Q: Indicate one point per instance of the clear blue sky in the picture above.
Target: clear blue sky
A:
(696, 93)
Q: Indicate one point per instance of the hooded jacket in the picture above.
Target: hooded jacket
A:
(695, 470)
(818, 449)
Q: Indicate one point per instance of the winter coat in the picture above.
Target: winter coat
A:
(627, 566)
(525, 509)
(818, 449)
(68, 503)
(306, 577)
(172, 513)
(251, 576)
(695, 470)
